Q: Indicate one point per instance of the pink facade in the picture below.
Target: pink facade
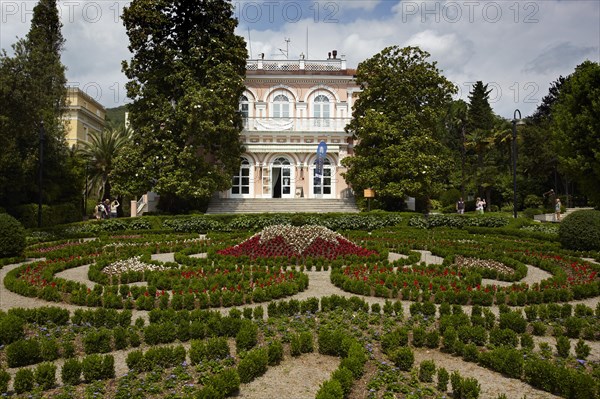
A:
(289, 107)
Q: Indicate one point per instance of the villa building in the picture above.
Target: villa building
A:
(82, 116)
(290, 107)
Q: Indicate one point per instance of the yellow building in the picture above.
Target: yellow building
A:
(83, 116)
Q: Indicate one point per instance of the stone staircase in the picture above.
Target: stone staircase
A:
(549, 217)
(280, 205)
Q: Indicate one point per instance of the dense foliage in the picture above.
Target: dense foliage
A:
(395, 121)
(185, 79)
(581, 231)
(12, 236)
(576, 121)
(32, 98)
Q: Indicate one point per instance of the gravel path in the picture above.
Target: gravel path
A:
(294, 378)
(534, 275)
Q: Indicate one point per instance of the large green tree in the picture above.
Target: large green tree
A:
(32, 91)
(186, 76)
(480, 138)
(396, 121)
(576, 122)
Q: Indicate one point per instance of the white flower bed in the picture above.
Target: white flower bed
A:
(467, 263)
(299, 238)
(130, 265)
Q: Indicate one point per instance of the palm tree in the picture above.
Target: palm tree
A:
(99, 152)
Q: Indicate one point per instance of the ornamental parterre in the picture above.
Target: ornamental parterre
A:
(290, 241)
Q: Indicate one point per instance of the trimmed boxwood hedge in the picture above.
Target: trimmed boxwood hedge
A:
(12, 236)
(581, 231)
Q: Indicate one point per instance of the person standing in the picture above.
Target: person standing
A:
(557, 210)
(99, 211)
(106, 209)
(479, 205)
(113, 208)
(460, 206)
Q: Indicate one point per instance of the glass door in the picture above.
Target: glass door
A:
(323, 187)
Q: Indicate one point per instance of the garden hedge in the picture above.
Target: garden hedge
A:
(12, 236)
(581, 231)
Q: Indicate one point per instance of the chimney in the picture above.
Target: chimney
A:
(329, 55)
(334, 54)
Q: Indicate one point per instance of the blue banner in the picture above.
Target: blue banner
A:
(321, 154)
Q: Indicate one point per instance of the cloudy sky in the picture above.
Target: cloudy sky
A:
(517, 47)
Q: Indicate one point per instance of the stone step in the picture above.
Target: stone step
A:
(270, 205)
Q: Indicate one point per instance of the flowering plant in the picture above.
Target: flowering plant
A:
(303, 241)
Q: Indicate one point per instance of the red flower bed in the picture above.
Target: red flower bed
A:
(314, 241)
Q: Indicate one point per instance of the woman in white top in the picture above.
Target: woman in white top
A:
(479, 205)
(113, 208)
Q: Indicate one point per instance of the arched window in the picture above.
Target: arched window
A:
(240, 184)
(281, 106)
(281, 161)
(321, 110)
(245, 109)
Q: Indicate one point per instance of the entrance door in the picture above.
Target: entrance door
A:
(323, 187)
(282, 178)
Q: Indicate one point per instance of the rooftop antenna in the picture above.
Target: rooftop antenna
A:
(306, 41)
(286, 52)
(250, 42)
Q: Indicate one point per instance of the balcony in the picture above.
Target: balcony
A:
(296, 124)
(296, 66)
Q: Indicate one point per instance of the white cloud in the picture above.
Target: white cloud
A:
(518, 48)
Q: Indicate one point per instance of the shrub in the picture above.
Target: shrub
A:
(418, 337)
(582, 350)
(442, 379)
(470, 353)
(306, 342)
(23, 381)
(11, 329)
(71, 372)
(120, 338)
(514, 321)
(432, 339)
(539, 328)
(295, 345)
(464, 388)
(394, 339)
(403, 358)
(45, 375)
(426, 371)
(12, 236)
(331, 389)
(247, 336)
(355, 360)
(527, 341)
(345, 378)
(96, 367)
(49, 349)
(563, 346)
(253, 365)
(580, 231)
(330, 342)
(135, 360)
(225, 383)
(23, 353)
(161, 358)
(4, 379)
(213, 349)
(97, 341)
(275, 350)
